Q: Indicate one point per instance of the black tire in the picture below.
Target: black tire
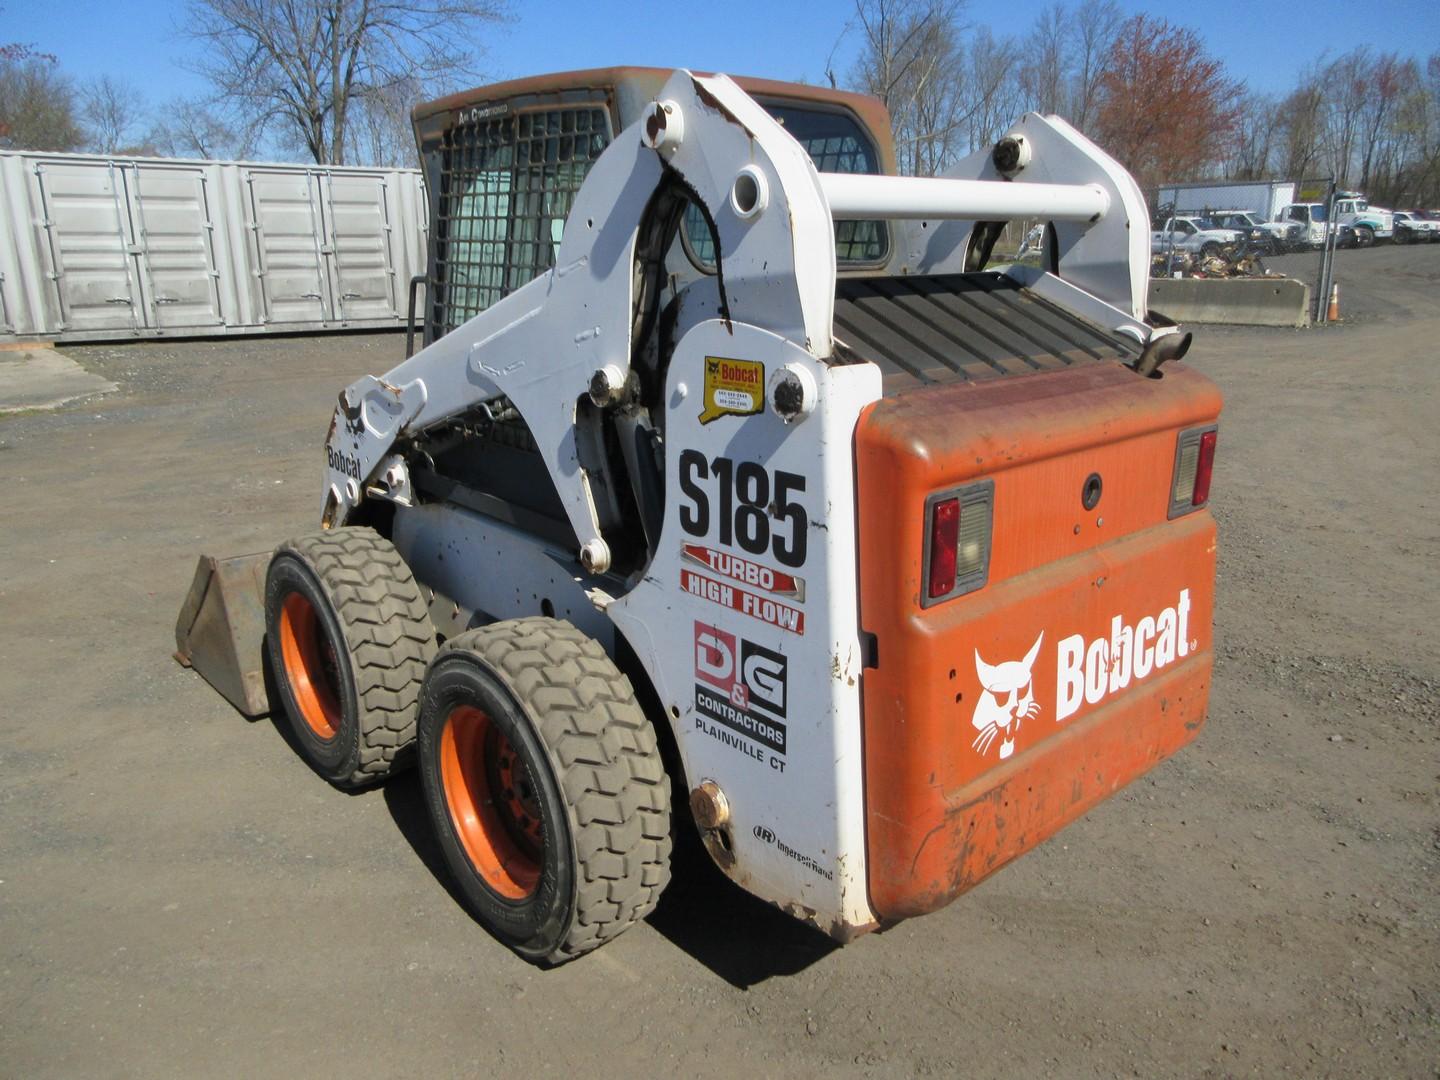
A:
(1210, 249)
(529, 719)
(1364, 236)
(349, 637)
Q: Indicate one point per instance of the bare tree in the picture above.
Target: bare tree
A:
(380, 131)
(1346, 89)
(1250, 153)
(189, 129)
(302, 65)
(113, 111)
(1097, 22)
(1045, 73)
(907, 60)
(993, 97)
(37, 105)
(1299, 123)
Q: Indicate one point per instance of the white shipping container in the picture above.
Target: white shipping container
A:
(1263, 198)
(95, 247)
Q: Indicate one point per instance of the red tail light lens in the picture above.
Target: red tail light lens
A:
(1194, 459)
(1202, 469)
(944, 540)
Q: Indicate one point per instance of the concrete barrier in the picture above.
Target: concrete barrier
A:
(1245, 301)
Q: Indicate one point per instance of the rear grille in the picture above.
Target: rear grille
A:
(506, 186)
(963, 327)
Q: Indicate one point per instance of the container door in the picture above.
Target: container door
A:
(285, 220)
(360, 247)
(177, 235)
(91, 241)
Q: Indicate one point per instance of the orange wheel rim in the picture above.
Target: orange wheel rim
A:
(492, 802)
(311, 666)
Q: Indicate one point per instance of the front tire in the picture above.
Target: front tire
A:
(1364, 236)
(349, 636)
(544, 782)
(1210, 250)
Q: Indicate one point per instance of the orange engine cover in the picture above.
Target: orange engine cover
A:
(995, 717)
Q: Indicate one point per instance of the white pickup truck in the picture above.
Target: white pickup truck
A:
(1311, 218)
(1410, 228)
(1271, 237)
(1193, 235)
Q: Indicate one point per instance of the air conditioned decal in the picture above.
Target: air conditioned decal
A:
(732, 388)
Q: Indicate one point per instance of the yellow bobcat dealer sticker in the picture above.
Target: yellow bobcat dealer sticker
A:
(732, 388)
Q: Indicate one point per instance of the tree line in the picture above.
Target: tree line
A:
(1150, 94)
(333, 81)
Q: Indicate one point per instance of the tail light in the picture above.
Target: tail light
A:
(957, 541)
(1194, 462)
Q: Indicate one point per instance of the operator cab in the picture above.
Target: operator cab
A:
(502, 165)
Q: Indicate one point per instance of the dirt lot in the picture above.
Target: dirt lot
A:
(180, 896)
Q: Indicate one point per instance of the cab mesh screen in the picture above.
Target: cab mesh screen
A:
(506, 187)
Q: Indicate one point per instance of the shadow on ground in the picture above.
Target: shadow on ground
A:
(738, 937)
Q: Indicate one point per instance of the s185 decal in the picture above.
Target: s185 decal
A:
(745, 497)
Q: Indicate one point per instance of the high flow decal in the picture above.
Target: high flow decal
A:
(746, 572)
(1087, 670)
(1091, 671)
(743, 600)
(1002, 706)
(746, 498)
(741, 694)
(732, 388)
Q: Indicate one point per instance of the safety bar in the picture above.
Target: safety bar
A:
(857, 196)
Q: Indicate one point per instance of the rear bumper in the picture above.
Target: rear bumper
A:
(1022, 802)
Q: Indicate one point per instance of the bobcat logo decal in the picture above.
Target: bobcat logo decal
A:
(1002, 705)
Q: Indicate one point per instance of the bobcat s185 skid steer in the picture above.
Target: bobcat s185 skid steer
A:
(729, 467)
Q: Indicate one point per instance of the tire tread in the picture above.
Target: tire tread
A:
(607, 761)
(391, 639)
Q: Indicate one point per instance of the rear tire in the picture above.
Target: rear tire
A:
(349, 636)
(544, 781)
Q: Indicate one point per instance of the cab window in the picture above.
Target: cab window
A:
(836, 143)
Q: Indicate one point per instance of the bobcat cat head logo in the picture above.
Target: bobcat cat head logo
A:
(1002, 705)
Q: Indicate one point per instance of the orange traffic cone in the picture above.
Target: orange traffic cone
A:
(1332, 313)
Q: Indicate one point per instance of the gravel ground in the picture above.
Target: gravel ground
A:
(179, 896)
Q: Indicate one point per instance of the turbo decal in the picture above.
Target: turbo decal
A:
(732, 388)
(745, 571)
(742, 600)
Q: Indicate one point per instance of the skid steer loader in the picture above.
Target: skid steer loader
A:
(735, 463)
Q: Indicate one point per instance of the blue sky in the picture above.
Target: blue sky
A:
(1265, 44)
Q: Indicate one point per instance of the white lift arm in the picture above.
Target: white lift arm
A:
(543, 345)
